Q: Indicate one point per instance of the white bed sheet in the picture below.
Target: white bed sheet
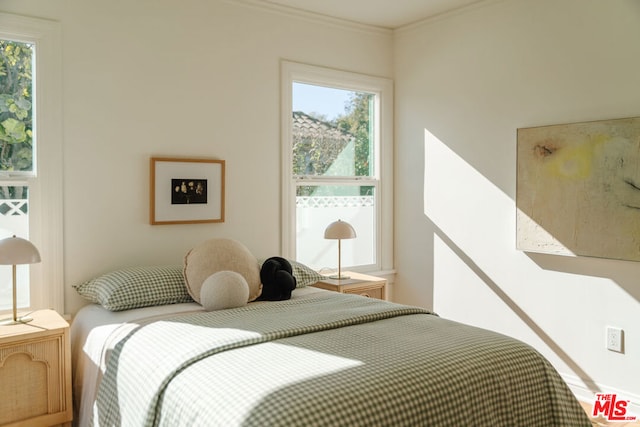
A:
(95, 331)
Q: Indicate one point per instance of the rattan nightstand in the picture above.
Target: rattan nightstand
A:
(358, 283)
(35, 372)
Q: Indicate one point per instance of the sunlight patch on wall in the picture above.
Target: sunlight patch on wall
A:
(469, 208)
(479, 276)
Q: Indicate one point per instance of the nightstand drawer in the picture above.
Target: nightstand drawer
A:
(369, 293)
(356, 284)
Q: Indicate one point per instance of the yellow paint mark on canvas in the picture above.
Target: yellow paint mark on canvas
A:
(575, 160)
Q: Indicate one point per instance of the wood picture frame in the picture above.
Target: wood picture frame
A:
(186, 191)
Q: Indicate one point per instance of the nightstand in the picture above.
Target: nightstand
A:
(358, 283)
(35, 372)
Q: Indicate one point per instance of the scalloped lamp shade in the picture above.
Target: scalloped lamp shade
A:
(16, 250)
(339, 230)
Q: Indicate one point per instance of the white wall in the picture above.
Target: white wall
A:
(464, 84)
(189, 78)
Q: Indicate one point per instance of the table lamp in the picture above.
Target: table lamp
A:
(339, 230)
(15, 250)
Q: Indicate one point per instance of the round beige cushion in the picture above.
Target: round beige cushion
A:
(224, 289)
(216, 255)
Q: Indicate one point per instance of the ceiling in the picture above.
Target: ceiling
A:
(380, 13)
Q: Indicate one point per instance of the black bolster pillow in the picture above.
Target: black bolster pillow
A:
(276, 275)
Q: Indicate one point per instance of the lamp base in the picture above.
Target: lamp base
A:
(18, 321)
(339, 277)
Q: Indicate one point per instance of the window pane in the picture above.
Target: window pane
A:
(16, 155)
(14, 220)
(16, 100)
(332, 132)
(319, 206)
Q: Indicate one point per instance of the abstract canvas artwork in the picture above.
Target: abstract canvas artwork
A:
(578, 189)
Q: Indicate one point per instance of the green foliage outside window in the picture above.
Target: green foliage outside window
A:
(314, 155)
(16, 118)
(358, 122)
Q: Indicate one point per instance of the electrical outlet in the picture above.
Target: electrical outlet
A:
(615, 339)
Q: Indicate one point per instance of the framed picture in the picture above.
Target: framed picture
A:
(186, 191)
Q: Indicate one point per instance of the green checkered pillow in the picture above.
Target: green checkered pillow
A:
(136, 287)
(304, 275)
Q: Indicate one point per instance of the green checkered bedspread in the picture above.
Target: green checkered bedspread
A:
(328, 359)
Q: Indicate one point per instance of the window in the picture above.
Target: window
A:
(31, 157)
(337, 164)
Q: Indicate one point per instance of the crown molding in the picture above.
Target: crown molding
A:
(312, 17)
(445, 15)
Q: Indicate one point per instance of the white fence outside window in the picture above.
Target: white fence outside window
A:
(315, 213)
(14, 220)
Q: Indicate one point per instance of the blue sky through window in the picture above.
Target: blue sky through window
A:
(326, 101)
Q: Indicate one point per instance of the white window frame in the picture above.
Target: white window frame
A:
(383, 89)
(45, 184)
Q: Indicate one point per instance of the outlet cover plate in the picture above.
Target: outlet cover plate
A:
(614, 339)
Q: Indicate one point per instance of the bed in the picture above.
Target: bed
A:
(318, 359)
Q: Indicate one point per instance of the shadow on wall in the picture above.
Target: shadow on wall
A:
(477, 214)
(515, 308)
(621, 274)
(476, 221)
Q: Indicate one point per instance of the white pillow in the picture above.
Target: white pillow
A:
(224, 289)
